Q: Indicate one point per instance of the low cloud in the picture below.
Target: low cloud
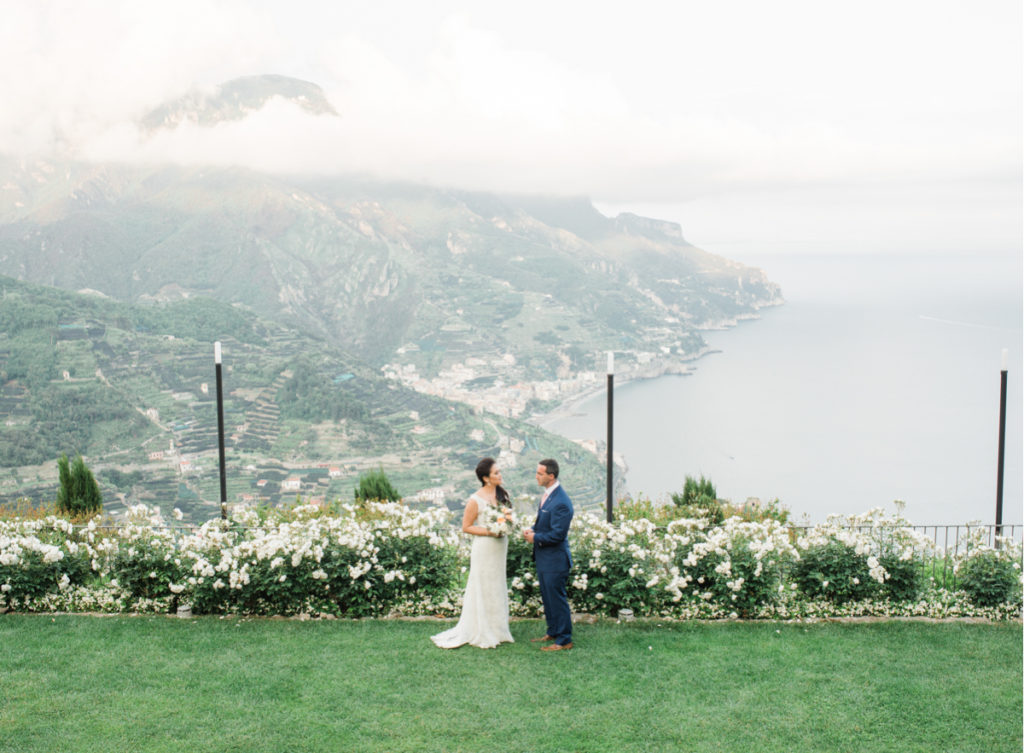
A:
(758, 101)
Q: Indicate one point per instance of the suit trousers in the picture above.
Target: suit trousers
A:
(556, 604)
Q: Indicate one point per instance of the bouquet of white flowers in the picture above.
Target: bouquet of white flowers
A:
(498, 519)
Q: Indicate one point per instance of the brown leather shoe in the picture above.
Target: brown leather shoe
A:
(557, 647)
(544, 639)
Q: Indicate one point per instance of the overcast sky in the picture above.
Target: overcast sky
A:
(796, 125)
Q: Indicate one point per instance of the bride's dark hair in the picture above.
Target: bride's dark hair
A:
(483, 470)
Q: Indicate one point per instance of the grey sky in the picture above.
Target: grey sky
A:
(796, 125)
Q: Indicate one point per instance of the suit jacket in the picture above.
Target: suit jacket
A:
(551, 533)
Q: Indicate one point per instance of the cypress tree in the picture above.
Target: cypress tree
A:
(79, 493)
(64, 473)
(375, 485)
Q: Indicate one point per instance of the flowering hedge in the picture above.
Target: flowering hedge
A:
(380, 559)
(370, 560)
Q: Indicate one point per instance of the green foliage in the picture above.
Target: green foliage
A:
(50, 561)
(338, 579)
(374, 485)
(695, 491)
(122, 480)
(642, 508)
(522, 571)
(145, 569)
(989, 578)
(18, 314)
(34, 577)
(64, 490)
(425, 569)
(311, 395)
(79, 494)
(833, 571)
(754, 512)
(378, 559)
(64, 416)
(759, 579)
(24, 448)
(906, 577)
(31, 579)
(699, 499)
(270, 589)
(325, 583)
(197, 318)
(618, 582)
(32, 358)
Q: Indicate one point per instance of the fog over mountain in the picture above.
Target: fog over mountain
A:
(797, 126)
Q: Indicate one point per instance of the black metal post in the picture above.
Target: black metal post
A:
(1002, 449)
(220, 433)
(611, 463)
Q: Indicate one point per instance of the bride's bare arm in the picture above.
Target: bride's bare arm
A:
(467, 520)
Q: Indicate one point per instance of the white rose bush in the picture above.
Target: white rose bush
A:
(42, 557)
(856, 557)
(989, 575)
(375, 559)
(736, 567)
(689, 569)
(385, 559)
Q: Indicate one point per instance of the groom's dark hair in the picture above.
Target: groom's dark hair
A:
(551, 466)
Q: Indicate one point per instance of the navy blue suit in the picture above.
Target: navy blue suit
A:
(553, 560)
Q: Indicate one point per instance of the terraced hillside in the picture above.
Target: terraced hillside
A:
(132, 388)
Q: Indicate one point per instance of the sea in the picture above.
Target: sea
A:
(877, 381)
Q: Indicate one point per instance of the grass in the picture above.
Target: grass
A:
(77, 683)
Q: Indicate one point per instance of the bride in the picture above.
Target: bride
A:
(484, 620)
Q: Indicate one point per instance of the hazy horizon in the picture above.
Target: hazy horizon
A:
(892, 126)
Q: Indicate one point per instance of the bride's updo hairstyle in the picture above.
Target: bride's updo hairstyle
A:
(483, 470)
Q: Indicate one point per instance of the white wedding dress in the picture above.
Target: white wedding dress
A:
(484, 619)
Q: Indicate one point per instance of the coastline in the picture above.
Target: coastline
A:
(681, 367)
(572, 402)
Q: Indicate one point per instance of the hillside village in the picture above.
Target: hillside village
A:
(366, 325)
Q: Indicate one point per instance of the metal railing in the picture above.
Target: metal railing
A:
(949, 543)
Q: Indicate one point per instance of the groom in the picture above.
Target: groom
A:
(551, 554)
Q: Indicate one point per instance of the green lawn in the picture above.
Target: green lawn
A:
(75, 683)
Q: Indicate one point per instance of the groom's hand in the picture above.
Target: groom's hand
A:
(528, 535)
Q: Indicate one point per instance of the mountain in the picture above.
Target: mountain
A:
(132, 388)
(235, 100)
(375, 266)
(495, 307)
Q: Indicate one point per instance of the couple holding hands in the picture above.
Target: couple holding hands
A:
(484, 619)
